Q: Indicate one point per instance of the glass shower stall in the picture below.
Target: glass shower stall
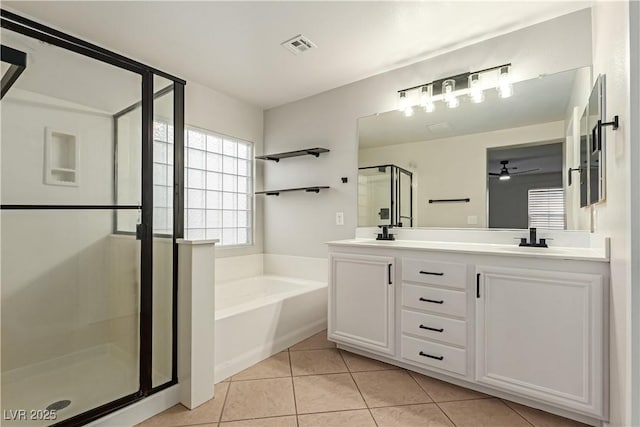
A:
(385, 196)
(91, 208)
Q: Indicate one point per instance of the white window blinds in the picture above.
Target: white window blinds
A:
(546, 208)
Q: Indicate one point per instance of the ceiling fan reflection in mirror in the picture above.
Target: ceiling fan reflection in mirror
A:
(504, 174)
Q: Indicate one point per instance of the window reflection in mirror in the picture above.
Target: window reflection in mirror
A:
(525, 186)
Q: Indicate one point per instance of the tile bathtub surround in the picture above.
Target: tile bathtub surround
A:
(314, 384)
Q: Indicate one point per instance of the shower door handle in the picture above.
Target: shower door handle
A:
(141, 231)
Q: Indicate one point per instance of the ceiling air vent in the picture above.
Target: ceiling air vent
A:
(298, 44)
(439, 127)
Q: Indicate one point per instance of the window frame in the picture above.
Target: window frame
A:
(251, 221)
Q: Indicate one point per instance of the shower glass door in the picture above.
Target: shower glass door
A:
(374, 196)
(77, 241)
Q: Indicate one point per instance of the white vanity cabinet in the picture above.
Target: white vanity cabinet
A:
(540, 334)
(531, 327)
(362, 301)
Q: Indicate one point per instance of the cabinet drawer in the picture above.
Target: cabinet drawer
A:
(435, 327)
(435, 272)
(453, 303)
(436, 355)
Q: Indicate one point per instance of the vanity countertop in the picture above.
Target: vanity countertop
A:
(579, 254)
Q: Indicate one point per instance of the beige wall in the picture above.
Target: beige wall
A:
(454, 168)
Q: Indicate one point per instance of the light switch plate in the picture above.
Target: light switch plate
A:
(339, 218)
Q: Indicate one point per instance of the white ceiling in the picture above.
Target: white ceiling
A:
(534, 101)
(234, 47)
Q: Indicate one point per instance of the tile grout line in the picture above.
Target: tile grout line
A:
(313, 375)
(224, 402)
(517, 412)
(293, 388)
(357, 387)
(432, 399)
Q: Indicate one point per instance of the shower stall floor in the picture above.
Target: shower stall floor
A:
(88, 378)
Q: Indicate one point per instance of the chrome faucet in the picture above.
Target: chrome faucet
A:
(533, 240)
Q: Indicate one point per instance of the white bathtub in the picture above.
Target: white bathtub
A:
(262, 315)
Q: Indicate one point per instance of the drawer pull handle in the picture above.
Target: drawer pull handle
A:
(432, 329)
(430, 356)
(432, 300)
(431, 273)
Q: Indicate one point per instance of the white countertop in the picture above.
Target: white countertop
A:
(580, 254)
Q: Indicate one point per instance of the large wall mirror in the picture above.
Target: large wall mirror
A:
(501, 163)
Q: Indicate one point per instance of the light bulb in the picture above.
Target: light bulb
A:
(426, 98)
(430, 107)
(403, 102)
(425, 95)
(505, 88)
(475, 89)
(408, 112)
(448, 86)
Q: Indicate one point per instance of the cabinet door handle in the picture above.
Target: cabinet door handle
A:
(389, 276)
(432, 300)
(430, 356)
(478, 285)
(431, 273)
(431, 329)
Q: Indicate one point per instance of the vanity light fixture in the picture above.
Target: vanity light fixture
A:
(505, 88)
(475, 88)
(451, 89)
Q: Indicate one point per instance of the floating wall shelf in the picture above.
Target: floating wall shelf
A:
(306, 152)
(315, 189)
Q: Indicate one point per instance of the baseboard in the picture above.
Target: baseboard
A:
(142, 410)
(266, 350)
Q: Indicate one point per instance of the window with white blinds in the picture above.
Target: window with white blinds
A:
(546, 208)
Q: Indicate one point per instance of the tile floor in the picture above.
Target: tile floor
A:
(314, 384)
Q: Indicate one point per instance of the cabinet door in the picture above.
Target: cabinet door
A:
(361, 301)
(540, 334)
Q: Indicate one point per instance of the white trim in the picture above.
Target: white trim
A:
(142, 410)
(634, 130)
